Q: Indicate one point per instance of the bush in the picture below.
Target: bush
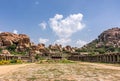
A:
(19, 61)
(55, 61)
(117, 50)
(37, 56)
(4, 62)
(83, 50)
(50, 61)
(65, 61)
(13, 61)
(1, 50)
(1, 63)
(11, 48)
(16, 53)
(110, 49)
(16, 61)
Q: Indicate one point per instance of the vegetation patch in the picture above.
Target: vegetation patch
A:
(14, 61)
(55, 61)
(33, 78)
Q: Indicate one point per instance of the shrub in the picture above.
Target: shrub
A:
(11, 48)
(1, 50)
(55, 61)
(13, 61)
(1, 63)
(37, 56)
(117, 49)
(4, 62)
(50, 61)
(16, 61)
(16, 53)
(19, 61)
(110, 49)
(65, 61)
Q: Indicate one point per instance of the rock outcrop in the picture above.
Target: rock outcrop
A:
(108, 41)
(110, 37)
(21, 41)
(55, 47)
(38, 49)
(5, 52)
(68, 49)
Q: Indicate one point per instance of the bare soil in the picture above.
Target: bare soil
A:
(79, 71)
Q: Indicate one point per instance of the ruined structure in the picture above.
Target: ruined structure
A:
(107, 42)
(11, 57)
(56, 56)
(105, 58)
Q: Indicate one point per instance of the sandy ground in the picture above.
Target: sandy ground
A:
(4, 69)
(80, 71)
(104, 66)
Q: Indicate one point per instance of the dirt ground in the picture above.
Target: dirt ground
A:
(79, 71)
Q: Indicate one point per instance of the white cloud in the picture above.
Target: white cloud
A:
(65, 27)
(41, 40)
(63, 41)
(15, 31)
(81, 43)
(43, 25)
(0, 31)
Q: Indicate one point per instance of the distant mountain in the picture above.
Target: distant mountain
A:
(110, 37)
(108, 41)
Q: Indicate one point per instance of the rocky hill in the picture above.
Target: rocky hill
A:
(19, 41)
(11, 43)
(108, 41)
(110, 37)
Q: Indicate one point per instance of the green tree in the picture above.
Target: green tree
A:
(37, 57)
(110, 49)
(1, 50)
(11, 48)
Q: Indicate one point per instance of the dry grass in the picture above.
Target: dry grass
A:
(64, 72)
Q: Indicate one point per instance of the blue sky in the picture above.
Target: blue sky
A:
(77, 21)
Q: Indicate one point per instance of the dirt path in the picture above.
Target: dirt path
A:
(10, 68)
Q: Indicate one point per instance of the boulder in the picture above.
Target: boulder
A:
(22, 41)
(5, 52)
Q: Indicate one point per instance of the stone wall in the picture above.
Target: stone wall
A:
(11, 57)
(105, 58)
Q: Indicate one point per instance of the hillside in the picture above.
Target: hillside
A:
(108, 41)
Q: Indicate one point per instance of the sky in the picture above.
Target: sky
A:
(66, 22)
